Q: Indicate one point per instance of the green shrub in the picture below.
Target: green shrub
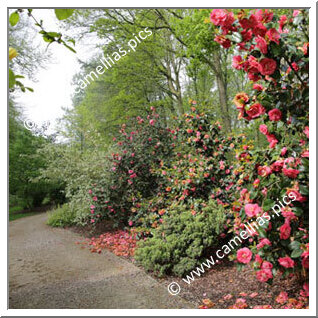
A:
(62, 216)
(182, 239)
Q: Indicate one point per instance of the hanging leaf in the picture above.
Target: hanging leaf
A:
(11, 78)
(63, 14)
(14, 18)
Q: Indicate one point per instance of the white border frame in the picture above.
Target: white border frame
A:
(161, 312)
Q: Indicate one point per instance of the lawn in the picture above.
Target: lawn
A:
(13, 215)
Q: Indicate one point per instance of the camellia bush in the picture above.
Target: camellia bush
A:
(273, 51)
(140, 145)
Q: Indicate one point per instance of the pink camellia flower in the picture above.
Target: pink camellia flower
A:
(90, 191)
(222, 17)
(228, 297)
(305, 291)
(305, 154)
(286, 262)
(130, 223)
(305, 259)
(237, 62)
(258, 260)
(277, 166)
(263, 129)
(133, 155)
(152, 122)
(264, 275)
(256, 183)
(282, 297)
(244, 255)
(261, 44)
(264, 171)
(283, 152)
(275, 114)
(252, 209)
(306, 131)
(267, 66)
(263, 307)
(92, 221)
(264, 191)
(291, 173)
(295, 13)
(258, 87)
(94, 198)
(267, 265)
(285, 230)
(92, 206)
(288, 214)
(263, 242)
(130, 171)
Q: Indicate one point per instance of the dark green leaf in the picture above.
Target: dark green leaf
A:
(296, 253)
(294, 245)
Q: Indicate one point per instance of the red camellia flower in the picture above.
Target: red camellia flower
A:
(255, 110)
(221, 39)
(267, 66)
(286, 262)
(261, 44)
(291, 173)
(244, 255)
(285, 231)
(237, 62)
(272, 35)
(277, 166)
(275, 114)
(258, 87)
(252, 66)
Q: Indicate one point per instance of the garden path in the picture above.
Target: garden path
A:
(48, 270)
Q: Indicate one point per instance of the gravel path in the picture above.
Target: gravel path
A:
(48, 270)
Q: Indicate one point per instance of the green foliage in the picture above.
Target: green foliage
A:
(182, 239)
(76, 170)
(14, 18)
(62, 216)
(63, 14)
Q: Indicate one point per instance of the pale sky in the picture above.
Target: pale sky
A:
(53, 89)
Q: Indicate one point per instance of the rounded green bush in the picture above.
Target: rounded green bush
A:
(182, 239)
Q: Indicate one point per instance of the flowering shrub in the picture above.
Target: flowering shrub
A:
(198, 168)
(141, 144)
(273, 52)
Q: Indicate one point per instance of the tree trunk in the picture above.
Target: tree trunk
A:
(222, 89)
